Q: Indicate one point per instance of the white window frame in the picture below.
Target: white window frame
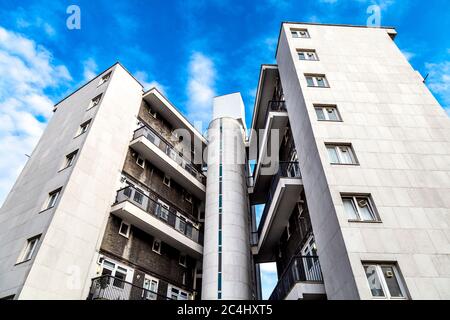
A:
(355, 205)
(158, 251)
(180, 260)
(339, 152)
(180, 292)
(52, 199)
(29, 249)
(382, 279)
(310, 55)
(168, 179)
(149, 294)
(84, 127)
(297, 34)
(315, 78)
(105, 78)
(70, 159)
(95, 101)
(324, 109)
(139, 158)
(127, 234)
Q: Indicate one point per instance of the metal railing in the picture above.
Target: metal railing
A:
(275, 105)
(171, 216)
(107, 287)
(285, 170)
(154, 137)
(300, 269)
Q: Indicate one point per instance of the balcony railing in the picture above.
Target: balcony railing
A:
(170, 216)
(285, 170)
(155, 138)
(107, 287)
(275, 105)
(300, 269)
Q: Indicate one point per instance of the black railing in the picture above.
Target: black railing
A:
(154, 137)
(300, 269)
(171, 216)
(275, 105)
(285, 170)
(107, 287)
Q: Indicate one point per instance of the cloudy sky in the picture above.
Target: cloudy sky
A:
(191, 50)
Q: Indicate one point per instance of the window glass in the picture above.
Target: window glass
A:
(346, 155)
(320, 82)
(374, 281)
(301, 56)
(391, 281)
(332, 113)
(310, 81)
(350, 208)
(364, 209)
(320, 114)
(333, 154)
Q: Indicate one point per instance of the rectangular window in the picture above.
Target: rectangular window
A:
(94, 102)
(104, 78)
(156, 247)
(188, 197)
(341, 154)
(318, 81)
(182, 260)
(140, 162)
(29, 249)
(300, 33)
(52, 199)
(70, 159)
(359, 208)
(124, 229)
(327, 113)
(306, 54)
(166, 181)
(83, 127)
(152, 112)
(385, 281)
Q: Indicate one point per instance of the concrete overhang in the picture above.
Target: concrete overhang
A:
(157, 228)
(285, 197)
(307, 291)
(174, 170)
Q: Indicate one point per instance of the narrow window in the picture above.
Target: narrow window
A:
(70, 159)
(140, 162)
(124, 229)
(341, 154)
(156, 247)
(167, 180)
(52, 199)
(385, 281)
(105, 78)
(327, 113)
(182, 260)
(29, 249)
(359, 208)
(83, 127)
(94, 102)
(188, 197)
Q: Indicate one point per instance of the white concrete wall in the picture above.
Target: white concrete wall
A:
(401, 137)
(71, 231)
(236, 264)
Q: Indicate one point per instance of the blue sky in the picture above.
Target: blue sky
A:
(192, 50)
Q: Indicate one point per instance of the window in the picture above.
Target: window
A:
(182, 260)
(70, 159)
(304, 54)
(300, 33)
(318, 81)
(140, 162)
(124, 229)
(83, 127)
(166, 181)
(385, 281)
(152, 112)
(30, 248)
(52, 199)
(105, 78)
(188, 197)
(163, 210)
(176, 293)
(359, 208)
(151, 288)
(327, 113)
(156, 247)
(94, 102)
(341, 154)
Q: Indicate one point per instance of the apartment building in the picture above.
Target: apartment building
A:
(359, 207)
(123, 198)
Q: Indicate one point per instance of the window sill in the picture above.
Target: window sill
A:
(346, 164)
(363, 221)
(22, 262)
(47, 209)
(330, 120)
(79, 135)
(318, 87)
(60, 170)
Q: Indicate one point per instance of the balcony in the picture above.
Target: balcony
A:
(282, 195)
(302, 279)
(110, 288)
(151, 145)
(276, 121)
(168, 224)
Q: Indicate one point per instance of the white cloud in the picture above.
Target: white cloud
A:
(27, 71)
(200, 88)
(89, 69)
(142, 77)
(269, 278)
(439, 81)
